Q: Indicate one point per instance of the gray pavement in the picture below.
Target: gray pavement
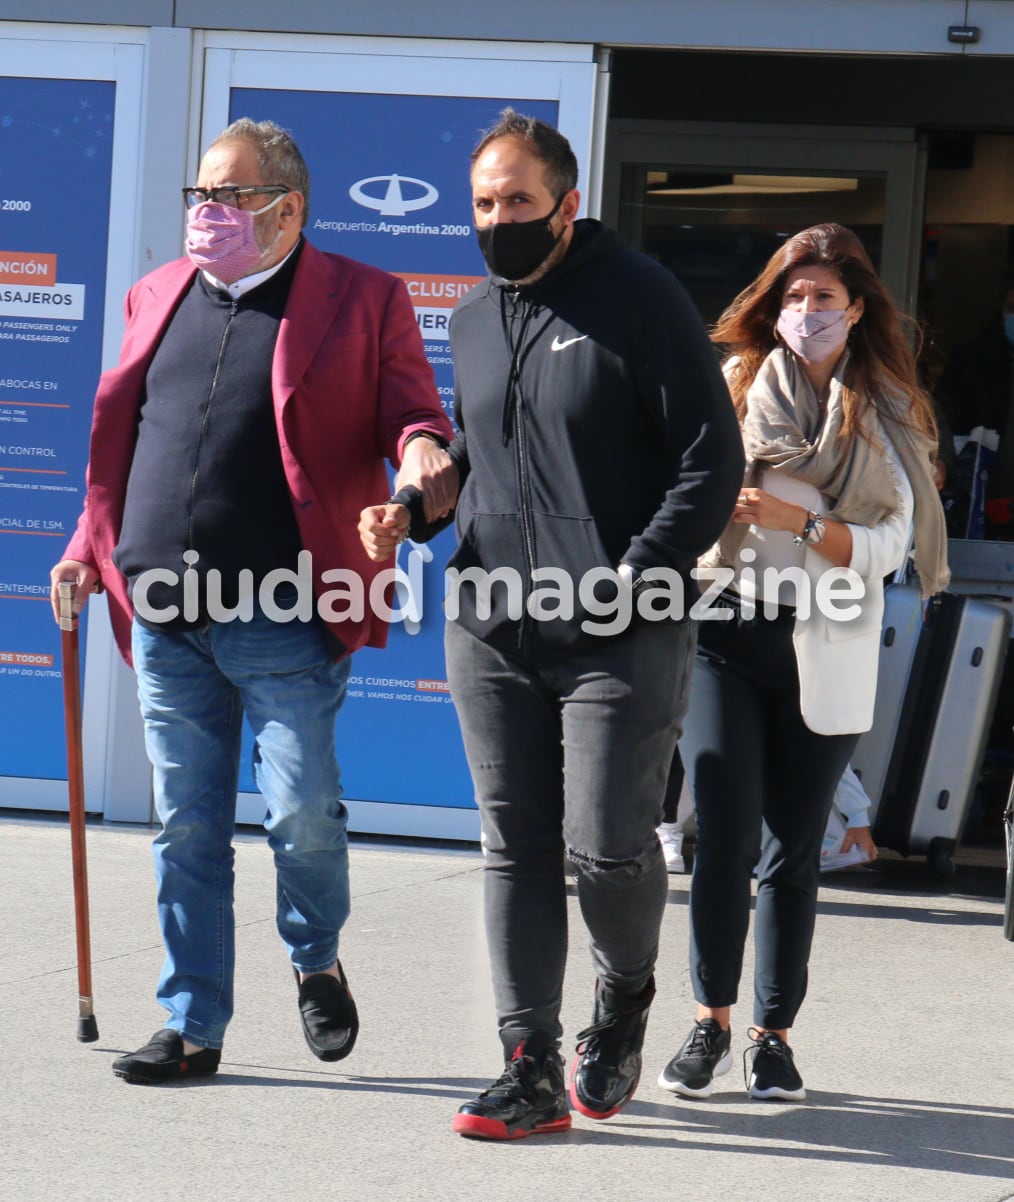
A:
(906, 1043)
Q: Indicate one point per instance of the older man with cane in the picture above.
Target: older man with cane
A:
(260, 387)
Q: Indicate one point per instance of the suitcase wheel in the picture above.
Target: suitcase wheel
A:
(939, 859)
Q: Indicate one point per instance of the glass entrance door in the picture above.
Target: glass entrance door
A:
(713, 203)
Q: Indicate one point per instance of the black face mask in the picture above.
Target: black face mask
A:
(514, 249)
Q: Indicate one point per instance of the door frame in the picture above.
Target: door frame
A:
(116, 772)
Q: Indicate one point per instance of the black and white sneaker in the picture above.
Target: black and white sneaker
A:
(773, 1073)
(704, 1056)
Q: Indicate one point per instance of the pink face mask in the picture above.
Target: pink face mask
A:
(814, 336)
(221, 240)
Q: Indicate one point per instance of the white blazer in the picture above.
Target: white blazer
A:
(838, 660)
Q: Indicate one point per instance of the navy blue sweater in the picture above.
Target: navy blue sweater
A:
(207, 472)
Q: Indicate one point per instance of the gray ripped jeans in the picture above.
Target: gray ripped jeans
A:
(570, 757)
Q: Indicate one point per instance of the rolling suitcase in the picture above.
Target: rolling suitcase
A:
(942, 728)
(899, 638)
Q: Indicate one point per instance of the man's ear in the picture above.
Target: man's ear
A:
(570, 205)
(291, 208)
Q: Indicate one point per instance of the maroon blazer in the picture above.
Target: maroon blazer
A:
(350, 382)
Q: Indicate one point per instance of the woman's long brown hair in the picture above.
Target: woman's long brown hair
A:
(881, 363)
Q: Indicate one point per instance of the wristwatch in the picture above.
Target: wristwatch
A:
(633, 579)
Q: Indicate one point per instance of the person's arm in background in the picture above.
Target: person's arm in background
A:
(850, 797)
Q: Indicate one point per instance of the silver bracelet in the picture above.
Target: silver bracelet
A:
(813, 531)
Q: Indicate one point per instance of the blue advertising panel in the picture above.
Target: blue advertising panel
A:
(56, 146)
(389, 183)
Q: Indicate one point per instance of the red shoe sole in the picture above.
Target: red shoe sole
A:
(579, 1106)
(476, 1127)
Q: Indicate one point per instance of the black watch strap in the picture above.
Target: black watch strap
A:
(442, 443)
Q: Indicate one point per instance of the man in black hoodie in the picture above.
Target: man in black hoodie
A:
(598, 456)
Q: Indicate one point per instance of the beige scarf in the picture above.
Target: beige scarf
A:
(782, 429)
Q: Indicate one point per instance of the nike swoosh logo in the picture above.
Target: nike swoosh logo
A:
(558, 345)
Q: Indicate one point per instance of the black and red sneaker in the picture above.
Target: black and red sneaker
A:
(530, 1098)
(607, 1066)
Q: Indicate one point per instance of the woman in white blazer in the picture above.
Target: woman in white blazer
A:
(839, 441)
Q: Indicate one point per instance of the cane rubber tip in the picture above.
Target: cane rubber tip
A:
(87, 1029)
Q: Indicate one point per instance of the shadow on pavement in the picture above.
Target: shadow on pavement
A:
(849, 1129)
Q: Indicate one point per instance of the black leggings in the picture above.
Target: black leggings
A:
(761, 780)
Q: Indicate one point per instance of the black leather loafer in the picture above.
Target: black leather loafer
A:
(328, 1015)
(162, 1061)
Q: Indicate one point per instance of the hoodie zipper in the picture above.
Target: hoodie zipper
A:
(514, 421)
(524, 489)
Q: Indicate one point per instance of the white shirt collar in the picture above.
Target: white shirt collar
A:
(248, 282)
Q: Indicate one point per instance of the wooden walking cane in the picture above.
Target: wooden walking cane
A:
(87, 1028)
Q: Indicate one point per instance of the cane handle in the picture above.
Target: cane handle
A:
(65, 590)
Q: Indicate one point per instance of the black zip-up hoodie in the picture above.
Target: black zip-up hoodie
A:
(595, 428)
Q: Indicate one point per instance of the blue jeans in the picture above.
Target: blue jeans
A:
(194, 687)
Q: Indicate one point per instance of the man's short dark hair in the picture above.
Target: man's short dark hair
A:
(278, 156)
(544, 142)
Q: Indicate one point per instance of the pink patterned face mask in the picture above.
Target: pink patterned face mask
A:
(221, 240)
(814, 336)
